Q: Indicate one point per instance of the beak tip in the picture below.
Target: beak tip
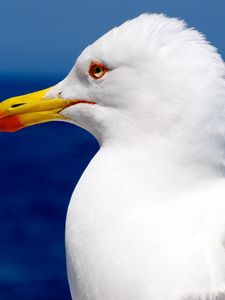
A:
(10, 124)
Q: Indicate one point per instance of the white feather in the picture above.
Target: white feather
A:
(146, 220)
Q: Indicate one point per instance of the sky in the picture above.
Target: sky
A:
(46, 36)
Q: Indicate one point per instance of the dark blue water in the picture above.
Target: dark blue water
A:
(39, 167)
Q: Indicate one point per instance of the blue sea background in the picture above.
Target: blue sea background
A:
(40, 165)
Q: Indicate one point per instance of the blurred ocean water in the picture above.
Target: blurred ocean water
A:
(39, 167)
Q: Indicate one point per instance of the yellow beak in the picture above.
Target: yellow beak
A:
(30, 109)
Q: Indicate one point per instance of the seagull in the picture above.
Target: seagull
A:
(147, 218)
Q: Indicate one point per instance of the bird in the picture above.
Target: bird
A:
(146, 220)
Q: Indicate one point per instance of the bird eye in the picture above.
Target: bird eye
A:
(97, 70)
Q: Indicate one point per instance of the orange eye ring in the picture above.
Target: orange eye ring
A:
(97, 70)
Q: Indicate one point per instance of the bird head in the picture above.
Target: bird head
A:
(153, 73)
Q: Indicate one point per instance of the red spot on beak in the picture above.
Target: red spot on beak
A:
(2, 114)
(10, 123)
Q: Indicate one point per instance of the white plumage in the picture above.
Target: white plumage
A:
(147, 218)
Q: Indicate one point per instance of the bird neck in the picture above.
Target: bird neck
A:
(181, 147)
(165, 156)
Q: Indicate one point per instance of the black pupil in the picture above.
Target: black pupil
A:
(97, 70)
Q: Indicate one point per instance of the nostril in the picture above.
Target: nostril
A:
(16, 105)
